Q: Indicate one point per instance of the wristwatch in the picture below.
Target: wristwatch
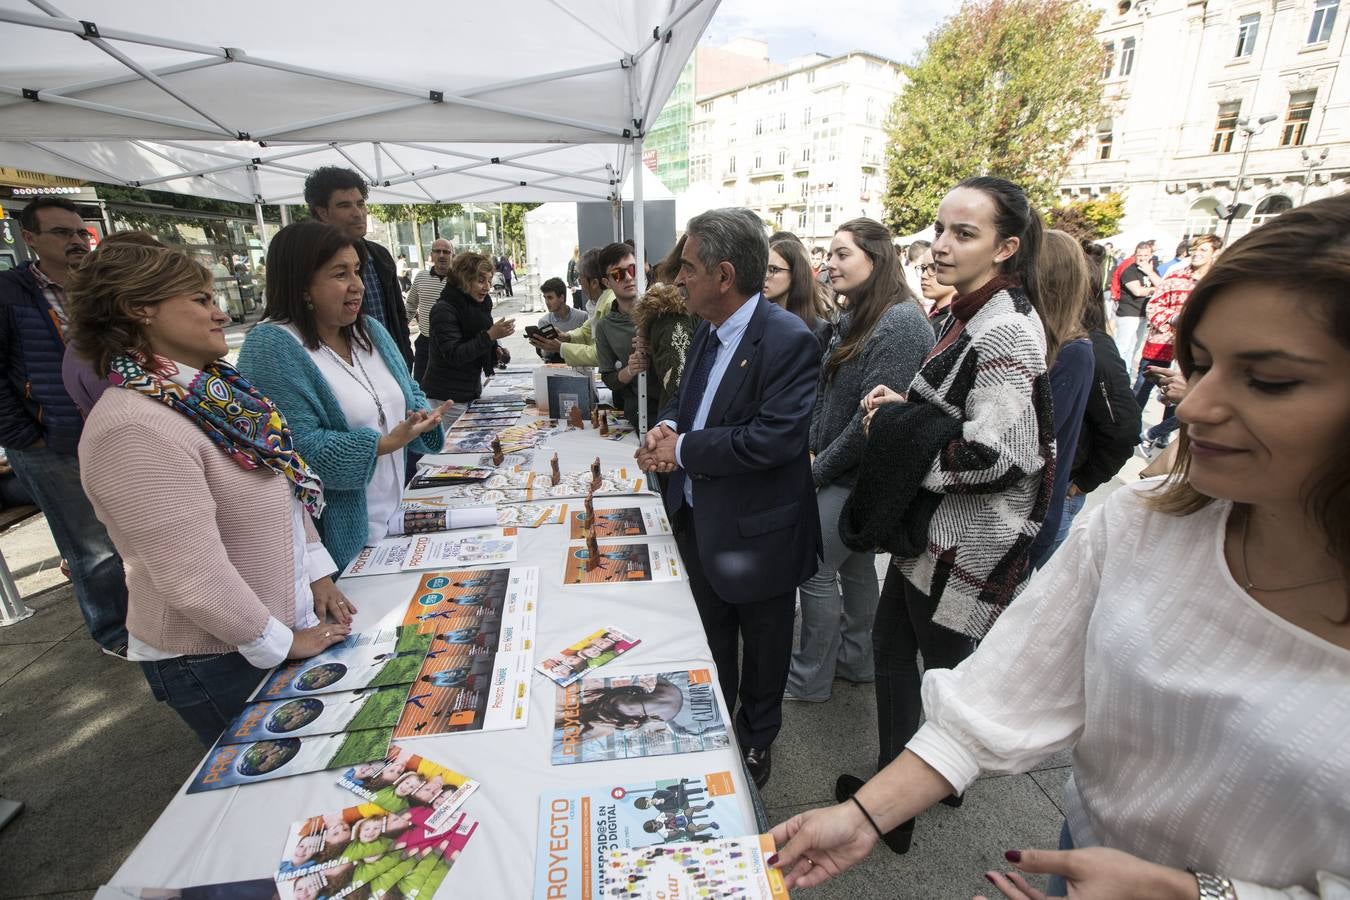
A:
(1214, 887)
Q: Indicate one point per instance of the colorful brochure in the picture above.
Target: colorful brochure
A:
(400, 780)
(627, 716)
(620, 522)
(623, 564)
(732, 867)
(591, 652)
(359, 710)
(439, 476)
(368, 659)
(531, 515)
(578, 829)
(487, 546)
(426, 521)
(228, 765)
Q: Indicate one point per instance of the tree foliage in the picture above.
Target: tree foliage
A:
(414, 212)
(513, 226)
(1004, 87)
(164, 223)
(1091, 218)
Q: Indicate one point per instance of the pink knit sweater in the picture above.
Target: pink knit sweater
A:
(208, 546)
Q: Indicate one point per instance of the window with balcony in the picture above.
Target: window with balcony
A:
(1203, 217)
(806, 153)
(731, 165)
(806, 116)
(1248, 26)
(1105, 137)
(801, 220)
(869, 111)
(1126, 56)
(1296, 118)
(782, 187)
(1110, 48)
(759, 126)
(1270, 207)
(758, 163)
(1323, 20)
(1226, 127)
(782, 156)
(782, 121)
(811, 76)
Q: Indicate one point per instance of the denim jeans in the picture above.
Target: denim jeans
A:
(904, 631)
(839, 603)
(52, 479)
(1073, 505)
(1144, 386)
(208, 692)
(1056, 885)
(1168, 425)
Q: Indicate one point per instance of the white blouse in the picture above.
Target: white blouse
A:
(356, 388)
(1207, 731)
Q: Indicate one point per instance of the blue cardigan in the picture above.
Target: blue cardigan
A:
(282, 370)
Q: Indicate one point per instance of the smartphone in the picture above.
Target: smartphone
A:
(546, 331)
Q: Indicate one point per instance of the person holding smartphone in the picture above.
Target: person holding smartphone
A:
(560, 320)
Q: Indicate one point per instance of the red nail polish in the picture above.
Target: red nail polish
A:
(1013, 856)
(773, 860)
(990, 878)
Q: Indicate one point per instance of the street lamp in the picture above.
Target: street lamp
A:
(1250, 129)
(1311, 163)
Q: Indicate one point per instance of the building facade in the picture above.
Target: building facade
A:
(804, 147)
(1186, 86)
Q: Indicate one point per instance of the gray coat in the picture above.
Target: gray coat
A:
(892, 356)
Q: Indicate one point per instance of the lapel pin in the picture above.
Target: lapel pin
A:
(743, 362)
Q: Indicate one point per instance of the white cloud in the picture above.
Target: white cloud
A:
(796, 27)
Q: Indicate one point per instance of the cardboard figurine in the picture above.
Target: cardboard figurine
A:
(595, 417)
(596, 480)
(574, 419)
(592, 552)
(604, 424)
(589, 505)
(497, 456)
(556, 477)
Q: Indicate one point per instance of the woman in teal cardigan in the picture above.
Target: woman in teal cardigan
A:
(341, 382)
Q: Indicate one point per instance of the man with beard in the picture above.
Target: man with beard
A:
(40, 424)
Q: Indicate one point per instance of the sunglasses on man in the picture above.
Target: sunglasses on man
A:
(622, 274)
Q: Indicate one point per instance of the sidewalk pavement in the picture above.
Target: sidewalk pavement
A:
(96, 759)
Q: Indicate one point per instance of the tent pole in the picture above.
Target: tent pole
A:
(257, 210)
(285, 215)
(640, 257)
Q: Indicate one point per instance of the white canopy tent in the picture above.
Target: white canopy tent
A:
(240, 102)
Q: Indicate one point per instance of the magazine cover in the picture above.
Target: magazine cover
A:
(578, 829)
(591, 652)
(368, 659)
(359, 710)
(621, 521)
(628, 716)
(406, 874)
(469, 440)
(401, 780)
(446, 601)
(623, 564)
(531, 515)
(318, 842)
(228, 765)
(731, 867)
(469, 689)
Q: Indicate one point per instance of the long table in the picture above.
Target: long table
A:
(238, 833)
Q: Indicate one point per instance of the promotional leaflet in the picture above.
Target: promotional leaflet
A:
(627, 716)
(228, 765)
(732, 867)
(368, 659)
(621, 521)
(440, 476)
(401, 780)
(531, 515)
(408, 521)
(591, 652)
(359, 710)
(622, 564)
(486, 546)
(578, 829)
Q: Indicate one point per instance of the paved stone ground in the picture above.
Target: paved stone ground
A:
(96, 760)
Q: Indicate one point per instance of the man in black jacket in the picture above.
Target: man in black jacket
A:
(338, 196)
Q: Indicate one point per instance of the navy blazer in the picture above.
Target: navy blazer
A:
(749, 467)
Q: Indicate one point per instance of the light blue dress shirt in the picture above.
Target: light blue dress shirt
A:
(729, 335)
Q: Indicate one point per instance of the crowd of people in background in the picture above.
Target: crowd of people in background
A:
(951, 404)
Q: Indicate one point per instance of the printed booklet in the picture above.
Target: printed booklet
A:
(627, 716)
(359, 710)
(731, 867)
(623, 564)
(531, 515)
(621, 521)
(407, 521)
(228, 765)
(591, 652)
(439, 476)
(486, 546)
(578, 829)
(367, 659)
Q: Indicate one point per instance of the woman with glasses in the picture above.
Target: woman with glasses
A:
(881, 340)
(464, 339)
(939, 295)
(618, 357)
(789, 283)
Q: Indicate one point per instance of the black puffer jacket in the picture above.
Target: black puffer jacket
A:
(1111, 421)
(460, 351)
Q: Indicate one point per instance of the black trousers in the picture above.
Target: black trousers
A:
(762, 628)
(902, 632)
(421, 356)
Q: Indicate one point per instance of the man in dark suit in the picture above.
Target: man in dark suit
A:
(337, 196)
(740, 494)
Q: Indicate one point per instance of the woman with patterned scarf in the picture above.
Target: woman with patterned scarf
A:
(194, 474)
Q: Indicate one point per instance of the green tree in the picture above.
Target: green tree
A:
(1091, 218)
(416, 213)
(1004, 87)
(513, 226)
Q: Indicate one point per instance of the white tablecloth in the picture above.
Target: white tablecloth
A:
(238, 833)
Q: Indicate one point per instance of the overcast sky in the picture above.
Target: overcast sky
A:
(796, 27)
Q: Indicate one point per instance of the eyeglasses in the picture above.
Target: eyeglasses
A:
(926, 269)
(622, 274)
(66, 234)
(775, 270)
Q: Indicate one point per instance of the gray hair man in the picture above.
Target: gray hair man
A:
(426, 290)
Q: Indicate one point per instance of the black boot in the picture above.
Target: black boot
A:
(899, 837)
(954, 800)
